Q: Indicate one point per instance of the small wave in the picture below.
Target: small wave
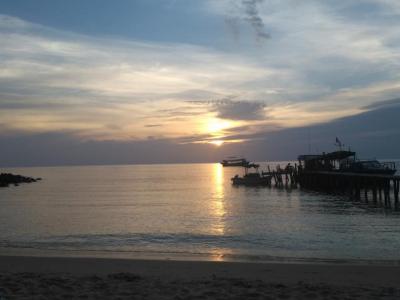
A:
(226, 247)
(135, 240)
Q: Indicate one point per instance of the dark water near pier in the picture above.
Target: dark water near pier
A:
(189, 210)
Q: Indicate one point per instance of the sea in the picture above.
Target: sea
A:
(191, 212)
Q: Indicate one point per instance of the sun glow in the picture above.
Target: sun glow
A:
(217, 143)
(216, 126)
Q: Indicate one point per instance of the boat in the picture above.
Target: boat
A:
(345, 161)
(235, 162)
(252, 178)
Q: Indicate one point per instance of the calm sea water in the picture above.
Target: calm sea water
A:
(188, 210)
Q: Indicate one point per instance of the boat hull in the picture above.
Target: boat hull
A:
(224, 164)
(260, 181)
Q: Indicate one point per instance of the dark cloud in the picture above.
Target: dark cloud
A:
(253, 17)
(240, 110)
(385, 103)
(214, 101)
(152, 125)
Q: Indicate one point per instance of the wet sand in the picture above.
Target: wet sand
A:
(98, 278)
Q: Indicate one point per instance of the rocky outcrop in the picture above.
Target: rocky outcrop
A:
(7, 178)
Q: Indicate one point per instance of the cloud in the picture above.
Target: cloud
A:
(52, 80)
(240, 110)
(323, 61)
(245, 10)
(63, 148)
(153, 125)
(253, 17)
(318, 49)
(383, 104)
(375, 133)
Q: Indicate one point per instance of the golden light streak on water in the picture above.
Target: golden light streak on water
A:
(218, 209)
(218, 255)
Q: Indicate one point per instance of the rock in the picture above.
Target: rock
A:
(7, 178)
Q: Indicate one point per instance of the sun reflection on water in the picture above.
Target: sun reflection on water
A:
(217, 255)
(218, 200)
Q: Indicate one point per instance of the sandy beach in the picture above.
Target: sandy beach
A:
(23, 277)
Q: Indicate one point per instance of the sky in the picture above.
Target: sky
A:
(146, 81)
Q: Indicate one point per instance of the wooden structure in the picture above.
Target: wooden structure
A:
(333, 173)
(339, 172)
(357, 185)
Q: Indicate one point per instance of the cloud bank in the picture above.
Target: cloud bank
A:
(323, 60)
(374, 133)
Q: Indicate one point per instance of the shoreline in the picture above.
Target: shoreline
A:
(27, 277)
(193, 257)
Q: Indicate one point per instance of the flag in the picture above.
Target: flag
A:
(338, 142)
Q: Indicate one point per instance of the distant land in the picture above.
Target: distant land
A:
(373, 133)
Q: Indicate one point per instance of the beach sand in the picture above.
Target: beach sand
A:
(23, 277)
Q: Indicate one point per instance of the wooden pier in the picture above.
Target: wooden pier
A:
(374, 187)
(339, 172)
(283, 177)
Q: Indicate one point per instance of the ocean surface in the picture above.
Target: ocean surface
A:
(188, 211)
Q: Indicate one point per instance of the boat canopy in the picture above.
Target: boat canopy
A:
(308, 157)
(336, 155)
(326, 161)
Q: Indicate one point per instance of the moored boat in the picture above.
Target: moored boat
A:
(252, 178)
(235, 162)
